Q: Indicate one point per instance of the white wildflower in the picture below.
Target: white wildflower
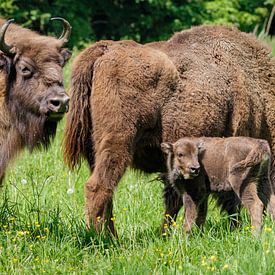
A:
(70, 191)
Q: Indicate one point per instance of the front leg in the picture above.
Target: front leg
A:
(195, 203)
(173, 203)
(195, 211)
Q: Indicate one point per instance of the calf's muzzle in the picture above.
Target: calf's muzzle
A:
(194, 171)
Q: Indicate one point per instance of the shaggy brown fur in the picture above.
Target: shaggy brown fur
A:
(31, 91)
(127, 98)
(236, 164)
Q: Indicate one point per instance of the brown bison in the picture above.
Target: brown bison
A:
(200, 166)
(127, 98)
(32, 95)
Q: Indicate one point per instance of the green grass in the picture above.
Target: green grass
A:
(42, 228)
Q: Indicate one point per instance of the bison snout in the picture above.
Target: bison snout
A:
(194, 170)
(58, 104)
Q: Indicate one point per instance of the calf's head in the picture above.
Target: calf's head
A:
(34, 91)
(182, 158)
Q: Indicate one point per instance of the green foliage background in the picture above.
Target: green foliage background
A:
(141, 20)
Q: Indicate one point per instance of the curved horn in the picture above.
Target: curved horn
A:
(64, 37)
(3, 46)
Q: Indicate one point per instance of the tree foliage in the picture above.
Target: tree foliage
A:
(142, 20)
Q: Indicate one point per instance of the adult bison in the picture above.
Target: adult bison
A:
(32, 96)
(127, 98)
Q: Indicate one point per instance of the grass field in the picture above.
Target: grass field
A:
(42, 228)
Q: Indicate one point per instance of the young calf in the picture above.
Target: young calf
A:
(235, 169)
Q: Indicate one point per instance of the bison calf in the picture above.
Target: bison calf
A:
(235, 169)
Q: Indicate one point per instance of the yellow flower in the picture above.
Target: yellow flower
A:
(124, 209)
(226, 266)
(38, 237)
(46, 229)
(164, 234)
(98, 218)
(113, 219)
(203, 263)
(12, 218)
(165, 226)
(213, 258)
(268, 229)
(174, 224)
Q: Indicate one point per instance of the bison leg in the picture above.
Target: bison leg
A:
(271, 206)
(110, 165)
(195, 211)
(254, 205)
(247, 192)
(229, 202)
(173, 203)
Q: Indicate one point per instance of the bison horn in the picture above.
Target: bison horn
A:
(3, 46)
(64, 37)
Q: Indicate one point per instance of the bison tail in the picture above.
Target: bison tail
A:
(77, 143)
(259, 155)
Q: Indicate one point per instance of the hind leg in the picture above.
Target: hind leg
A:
(110, 164)
(230, 202)
(254, 205)
(173, 203)
(247, 192)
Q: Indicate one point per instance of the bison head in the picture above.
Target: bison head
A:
(34, 93)
(183, 158)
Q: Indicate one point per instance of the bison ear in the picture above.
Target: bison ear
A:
(167, 147)
(66, 54)
(201, 148)
(5, 63)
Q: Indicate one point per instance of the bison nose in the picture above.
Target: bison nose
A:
(194, 170)
(59, 104)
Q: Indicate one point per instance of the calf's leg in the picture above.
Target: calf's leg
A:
(195, 212)
(247, 192)
(195, 205)
(173, 203)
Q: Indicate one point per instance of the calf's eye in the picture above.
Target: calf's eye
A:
(180, 155)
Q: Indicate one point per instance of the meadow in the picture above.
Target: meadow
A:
(42, 227)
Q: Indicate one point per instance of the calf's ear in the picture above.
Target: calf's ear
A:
(201, 148)
(166, 147)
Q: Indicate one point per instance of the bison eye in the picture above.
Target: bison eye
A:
(180, 155)
(26, 72)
